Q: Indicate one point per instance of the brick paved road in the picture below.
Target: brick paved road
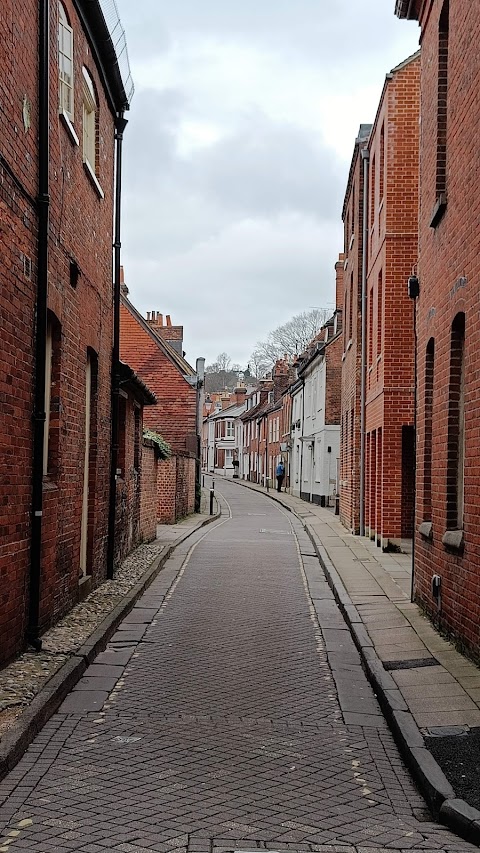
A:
(216, 720)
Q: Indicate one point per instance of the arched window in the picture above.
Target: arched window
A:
(65, 63)
(456, 426)
(89, 122)
(428, 431)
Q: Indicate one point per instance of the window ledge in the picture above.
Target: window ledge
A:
(91, 174)
(48, 484)
(426, 530)
(438, 210)
(379, 358)
(349, 345)
(453, 539)
(69, 128)
(352, 240)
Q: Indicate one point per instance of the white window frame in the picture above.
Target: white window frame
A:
(89, 122)
(230, 429)
(65, 58)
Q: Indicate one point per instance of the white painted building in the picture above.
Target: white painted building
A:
(315, 432)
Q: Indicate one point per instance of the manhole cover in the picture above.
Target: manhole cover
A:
(277, 533)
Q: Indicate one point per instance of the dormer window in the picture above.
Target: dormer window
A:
(65, 63)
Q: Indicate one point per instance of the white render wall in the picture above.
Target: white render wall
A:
(316, 446)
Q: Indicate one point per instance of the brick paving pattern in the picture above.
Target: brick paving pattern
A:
(222, 718)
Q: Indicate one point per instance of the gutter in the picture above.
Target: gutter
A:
(120, 125)
(363, 384)
(43, 207)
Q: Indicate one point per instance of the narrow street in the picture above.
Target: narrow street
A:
(216, 720)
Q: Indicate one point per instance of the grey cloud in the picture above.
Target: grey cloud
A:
(341, 32)
(268, 167)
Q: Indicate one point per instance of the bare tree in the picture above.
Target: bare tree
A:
(291, 339)
(222, 375)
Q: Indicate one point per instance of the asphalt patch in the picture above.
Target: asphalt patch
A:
(459, 758)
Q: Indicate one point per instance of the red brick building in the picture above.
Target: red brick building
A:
(391, 257)
(146, 345)
(57, 152)
(262, 426)
(137, 468)
(447, 547)
(352, 216)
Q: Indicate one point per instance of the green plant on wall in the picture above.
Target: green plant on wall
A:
(164, 449)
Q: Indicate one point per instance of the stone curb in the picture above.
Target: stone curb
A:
(47, 701)
(455, 813)
(429, 776)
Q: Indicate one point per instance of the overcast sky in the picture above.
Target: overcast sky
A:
(237, 152)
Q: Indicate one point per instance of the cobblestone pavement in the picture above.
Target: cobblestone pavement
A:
(222, 718)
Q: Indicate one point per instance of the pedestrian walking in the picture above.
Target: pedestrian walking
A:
(280, 474)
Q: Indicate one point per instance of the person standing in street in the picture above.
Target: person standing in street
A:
(280, 474)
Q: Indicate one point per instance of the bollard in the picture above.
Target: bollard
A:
(211, 501)
(203, 479)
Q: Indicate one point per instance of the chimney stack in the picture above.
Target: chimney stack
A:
(339, 282)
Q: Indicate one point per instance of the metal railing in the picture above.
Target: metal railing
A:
(117, 34)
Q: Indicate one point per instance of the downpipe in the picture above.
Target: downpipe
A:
(39, 416)
(120, 125)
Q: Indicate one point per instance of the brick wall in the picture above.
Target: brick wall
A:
(449, 271)
(82, 314)
(176, 488)
(174, 416)
(333, 380)
(393, 252)
(148, 495)
(351, 358)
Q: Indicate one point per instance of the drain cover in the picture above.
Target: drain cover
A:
(409, 664)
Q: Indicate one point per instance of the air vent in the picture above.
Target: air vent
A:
(27, 266)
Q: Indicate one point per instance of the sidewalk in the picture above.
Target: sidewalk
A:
(33, 685)
(429, 692)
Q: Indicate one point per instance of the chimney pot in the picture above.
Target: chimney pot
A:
(148, 316)
(168, 320)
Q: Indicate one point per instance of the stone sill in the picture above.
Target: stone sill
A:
(454, 540)
(69, 128)
(426, 530)
(439, 209)
(93, 178)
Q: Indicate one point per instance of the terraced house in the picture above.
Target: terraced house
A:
(447, 546)
(61, 126)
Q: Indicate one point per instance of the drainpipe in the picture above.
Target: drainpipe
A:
(120, 125)
(301, 443)
(43, 202)
(363, 384)
(413, 292)
(200, 369)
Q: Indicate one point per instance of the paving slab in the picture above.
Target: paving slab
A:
(83, 701)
